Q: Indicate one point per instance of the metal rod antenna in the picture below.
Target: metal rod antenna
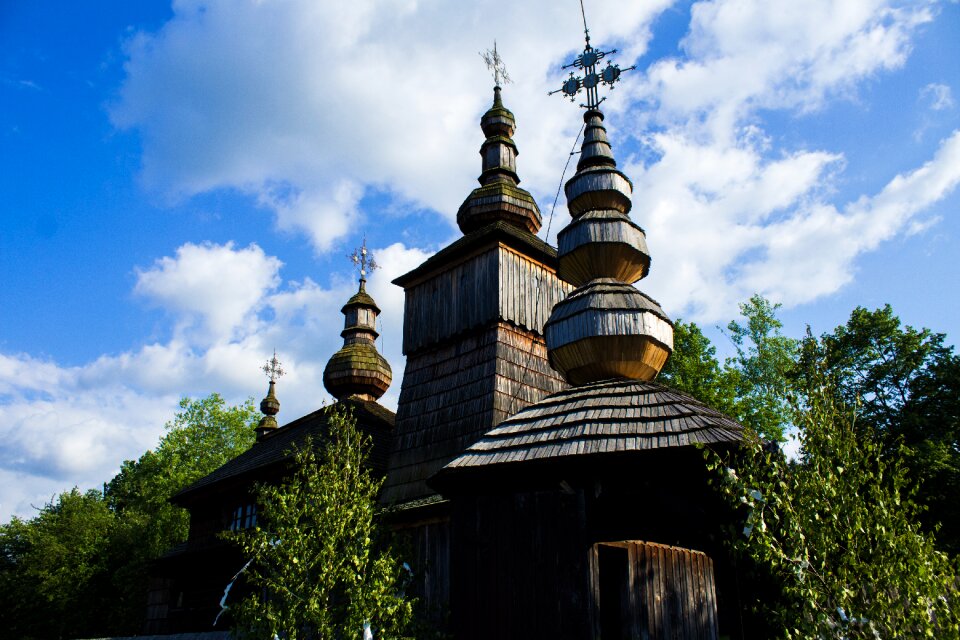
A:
(586, 32)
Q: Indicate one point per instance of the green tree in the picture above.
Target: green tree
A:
(318, 568)
(838, 529)
(694, 369)
(53, 576)
(79, 568)
(202, 436)
(762, 368)
(751, 385)
(906, 385)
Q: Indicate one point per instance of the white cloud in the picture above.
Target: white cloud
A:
(245, 95)
(938, 96)
(744, 55)
(66, 426)
(214, 286)
(271, 99)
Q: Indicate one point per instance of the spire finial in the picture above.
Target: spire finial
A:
(272, 368)
(363, 260)
(357, 369)
(591, 78)
(496, 66)
(269, 406)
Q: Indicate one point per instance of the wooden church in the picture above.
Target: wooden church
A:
(548, 487)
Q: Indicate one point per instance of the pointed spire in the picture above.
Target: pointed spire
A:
(605, 328)
(498, 198)
(358, 369)
(269, 406)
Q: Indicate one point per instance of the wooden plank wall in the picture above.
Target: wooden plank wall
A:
(520, 567)
(426, 548)
(454, 394)
(649, 590)
(499, 283)
(475, 355)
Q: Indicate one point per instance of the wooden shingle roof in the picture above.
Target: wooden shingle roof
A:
(372, 419)
(612, 416)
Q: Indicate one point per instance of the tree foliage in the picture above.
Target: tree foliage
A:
(318, 568)
(79, 567)
(906, 385)
(52, 568)
(761, 368)
(838, 529)
(749, 386)
(203, 435)
(694, 369)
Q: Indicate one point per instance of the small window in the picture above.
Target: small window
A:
(244, 517)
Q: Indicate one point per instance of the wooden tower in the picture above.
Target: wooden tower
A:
(473, 337)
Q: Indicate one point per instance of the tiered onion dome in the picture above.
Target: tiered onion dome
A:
(269, 407)
(358, 370)
(499, 198)
(605, 328)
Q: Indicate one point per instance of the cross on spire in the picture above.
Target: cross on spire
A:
(496, 66)
(591, 78)
(363, 259)
(272, 368)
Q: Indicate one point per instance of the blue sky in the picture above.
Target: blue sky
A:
(182, 182)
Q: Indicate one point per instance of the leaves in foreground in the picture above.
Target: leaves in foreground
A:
(319, 570)
(839, 531)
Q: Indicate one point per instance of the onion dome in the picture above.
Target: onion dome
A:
(498, 198)
(358, 370)
(605, 328)
(269, 406)
(622, 333)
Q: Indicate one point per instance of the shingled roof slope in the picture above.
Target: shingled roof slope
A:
(509, 234)
(603, 417)
(372, 418)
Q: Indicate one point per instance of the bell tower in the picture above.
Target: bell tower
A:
(474, 318)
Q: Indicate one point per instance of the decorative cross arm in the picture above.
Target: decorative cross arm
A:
(272, 368)
(363, 259)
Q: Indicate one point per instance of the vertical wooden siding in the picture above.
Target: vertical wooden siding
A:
(498, 284)
(657, 592)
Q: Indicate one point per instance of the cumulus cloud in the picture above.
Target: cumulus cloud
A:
(730, 211)
(245, 95)
(213, 286)
(229, 309)
(269, 98)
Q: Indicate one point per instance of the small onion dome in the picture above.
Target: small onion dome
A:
(607, 329)
(602, 244)
(358, 370)
(269, 407)
(499, 198)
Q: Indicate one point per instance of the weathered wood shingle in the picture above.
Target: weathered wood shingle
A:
(603, 417)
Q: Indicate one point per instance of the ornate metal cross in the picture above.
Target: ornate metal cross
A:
(364, 260)
(272, 368)
(495, 65)
(591, 78)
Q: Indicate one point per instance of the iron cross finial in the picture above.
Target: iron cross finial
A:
(591, 78)
(495, 65)
(363, 259)
(272, 368)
